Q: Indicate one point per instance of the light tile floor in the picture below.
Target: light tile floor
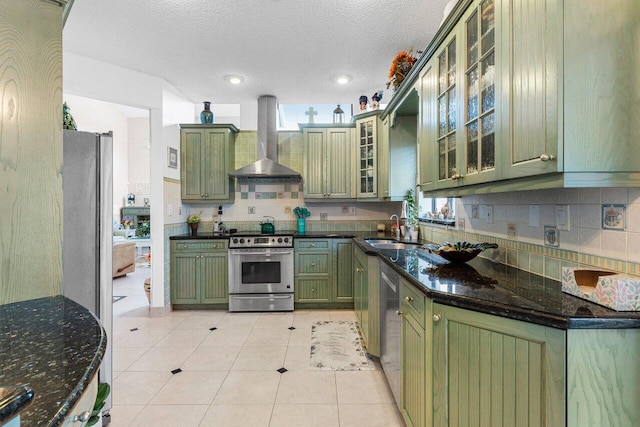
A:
(229, 375)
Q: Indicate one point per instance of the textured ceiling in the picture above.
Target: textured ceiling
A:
(292, 49)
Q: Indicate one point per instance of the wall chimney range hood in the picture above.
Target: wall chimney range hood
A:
(267, 165)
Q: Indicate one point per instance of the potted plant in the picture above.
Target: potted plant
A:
(412, 214)
(194, 221)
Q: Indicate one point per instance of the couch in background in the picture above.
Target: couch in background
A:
(124, 258)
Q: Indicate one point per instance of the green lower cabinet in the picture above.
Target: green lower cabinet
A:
(199, 273)
(492, 371)
(603, 377)
(313, 290)
(366, 296)
(323, 273)
(413, 361)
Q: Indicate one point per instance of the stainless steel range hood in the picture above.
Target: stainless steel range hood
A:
(267, 165)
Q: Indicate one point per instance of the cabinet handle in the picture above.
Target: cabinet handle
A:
(313, 245)
(313, 264)
(399, 313)
(184, 246)
(313, 290)
(547, 157)
(201, 194)
(206, 195)
(408, 299)
(82, 417)
(358, 270)
(436, 317)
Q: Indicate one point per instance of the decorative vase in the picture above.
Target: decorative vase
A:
(194, 228)
(206, 116)
(302, 225)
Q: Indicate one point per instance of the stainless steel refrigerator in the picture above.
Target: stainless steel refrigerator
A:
(87, 240)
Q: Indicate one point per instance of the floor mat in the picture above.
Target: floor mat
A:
(337, 346)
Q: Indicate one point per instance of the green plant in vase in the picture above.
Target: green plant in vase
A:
(194, 221)
(413, 211)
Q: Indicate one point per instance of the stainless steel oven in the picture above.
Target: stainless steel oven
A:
(261, 273)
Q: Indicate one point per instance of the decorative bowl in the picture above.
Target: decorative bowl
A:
(459, 252)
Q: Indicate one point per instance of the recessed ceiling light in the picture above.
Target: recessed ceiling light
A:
(343, 80)
(234, 79)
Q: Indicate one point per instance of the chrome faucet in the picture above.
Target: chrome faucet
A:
(397, 225)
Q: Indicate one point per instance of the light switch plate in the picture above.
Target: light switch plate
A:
(562, 217)
(486, 213)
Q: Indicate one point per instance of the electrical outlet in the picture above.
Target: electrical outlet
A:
(323, 216)
(252, 210)
(352, 210)
(474, 211)
(562, 217)
(287, 209)
(486, 213)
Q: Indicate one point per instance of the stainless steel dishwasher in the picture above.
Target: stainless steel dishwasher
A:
(390, 328)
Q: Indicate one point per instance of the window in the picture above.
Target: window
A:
(437, 209)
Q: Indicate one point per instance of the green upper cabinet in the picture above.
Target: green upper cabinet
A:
(207, 156)
(515, 89)
(327, 162)
(527, 43)
(366, 155)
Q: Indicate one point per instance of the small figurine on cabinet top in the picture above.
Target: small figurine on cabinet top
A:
(363, 103)
(375, 100)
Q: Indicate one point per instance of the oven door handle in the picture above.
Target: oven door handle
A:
(261, 297)
(261, 252)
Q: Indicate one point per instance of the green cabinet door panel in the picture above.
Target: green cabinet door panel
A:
(214, 283)
(492, 371)
(313, 263)
(215, 158)
(183, 279)
(313, 290)
(338, 163)
(314, 164)
(603, 377)
(190, 178)
(343, 260)
(413, 368)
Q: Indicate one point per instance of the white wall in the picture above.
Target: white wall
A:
(139, 170)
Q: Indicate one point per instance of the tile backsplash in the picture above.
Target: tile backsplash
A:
(525, 224)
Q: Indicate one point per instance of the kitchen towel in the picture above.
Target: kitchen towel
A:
(337, 346)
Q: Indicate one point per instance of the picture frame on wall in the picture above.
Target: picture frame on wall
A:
(172, 157)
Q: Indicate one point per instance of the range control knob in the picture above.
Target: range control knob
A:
(286, 240)
(235, 240)
(241, 240)
(279, 239)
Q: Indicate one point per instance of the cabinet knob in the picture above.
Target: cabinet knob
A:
(82, 417)
(457, 176)
(408, 299)
(398, 313)
(313, 264)
(547, 157)
(184, 246)
(206, 195)
(313, 289)
(358, 269)
(436, 317)
(201, 194)
(313, 245)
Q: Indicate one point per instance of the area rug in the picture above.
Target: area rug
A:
(337, 346)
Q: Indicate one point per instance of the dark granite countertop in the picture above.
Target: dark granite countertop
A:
(484, 286)
(54, 346)
(295, 234)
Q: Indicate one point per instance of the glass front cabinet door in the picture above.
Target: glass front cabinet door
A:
(367, 171)
(480, 94)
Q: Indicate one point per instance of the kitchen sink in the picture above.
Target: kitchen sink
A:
(391, 244)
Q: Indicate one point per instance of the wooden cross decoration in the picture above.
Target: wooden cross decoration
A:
(311, 112)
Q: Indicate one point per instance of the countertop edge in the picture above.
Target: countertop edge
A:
(89, 375)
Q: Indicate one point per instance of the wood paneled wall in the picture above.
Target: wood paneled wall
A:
(30, 149)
